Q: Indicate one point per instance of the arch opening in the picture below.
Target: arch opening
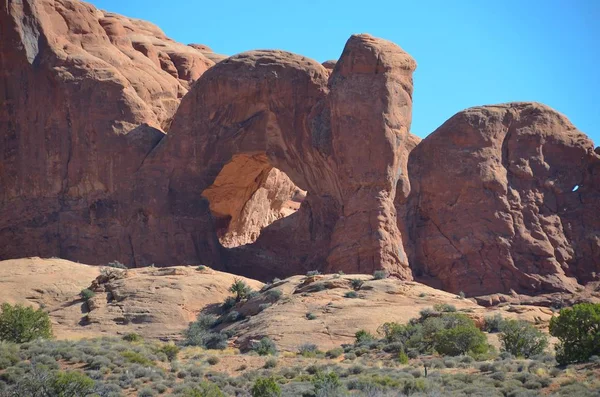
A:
(249, 194)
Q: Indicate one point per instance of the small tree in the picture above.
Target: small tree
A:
(578, 332)
(266, 387)
(522, 339)
(461, 339)
(356, 283)
(20, 324)
(240, 289)
(363, 336)
(87, 294)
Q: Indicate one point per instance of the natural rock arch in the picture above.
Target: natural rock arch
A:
(339, 137)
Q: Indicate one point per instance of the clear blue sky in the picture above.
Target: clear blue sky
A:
(469, 52)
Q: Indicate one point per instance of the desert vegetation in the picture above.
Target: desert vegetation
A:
(442, 352)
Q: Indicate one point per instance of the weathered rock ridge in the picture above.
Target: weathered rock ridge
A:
(119, 143)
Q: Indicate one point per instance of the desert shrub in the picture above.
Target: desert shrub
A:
(116, 265)
(351, 294)
(136, 358)
(146, 392)
(312, 273)
(311, 316)
(274, 294)
(493, 323)
(264, 306)
(363, 336)
(426, 313)
(233, 316)
(326, 384)
(461, 295)
(170, 350)
(9, 355)
(87, 294)
(350, 356)
(19, 324)
(213, 360)
(308, 350)
(132, 337)
(228, 303)
(264, 347)
(240, 289)
(402, 357)
(444, 308)
(522, 339)
(459, 340)
(265, 387)
(335, 353)
(201, 268)
(578, 332)
(202, 389)
(379, 274)
(270, 363)
(356, 283)
(199, 333)
(39, 382)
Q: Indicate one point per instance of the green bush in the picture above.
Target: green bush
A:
(270, 363)
(170, 350)
(116, 265)
(335, 353)
(326, 384)
(363, 336)
(199, 333)
(351, 294)
(356, 283)
(87, 294)
(203, 389)
(213, 360)
(240, 289)
(264, 347)
(311, 316)
(493, 323)
(379, 274)
(20, 324)
(578, 332)
(201, 268)
(522, 339)
(308, 350)
(403, 358)
(266, 387)
(459, 340)
(132, 337)
(137, 358)
(444, 308)
(312, 273)
(274, 294)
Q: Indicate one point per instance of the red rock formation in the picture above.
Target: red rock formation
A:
(505, 197)
(85, 96)
(485, 204)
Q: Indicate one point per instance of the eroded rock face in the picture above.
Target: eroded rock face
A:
(505, 197)
(86, 95)
(265, 109)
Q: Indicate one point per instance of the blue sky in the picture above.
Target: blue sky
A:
(469, 52)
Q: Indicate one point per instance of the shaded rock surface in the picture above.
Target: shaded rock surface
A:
(86, 95)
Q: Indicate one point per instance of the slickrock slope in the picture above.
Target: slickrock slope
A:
(159, 303)
(154, 302)
(505, 197)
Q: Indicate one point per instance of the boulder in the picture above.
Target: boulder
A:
(505, 197)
